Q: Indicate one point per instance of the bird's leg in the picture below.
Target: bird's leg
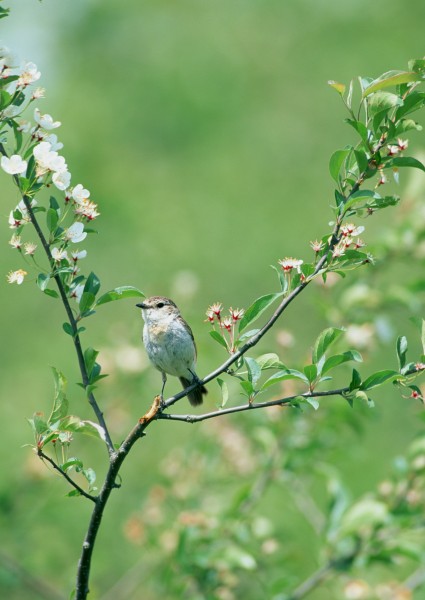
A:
(194, 375)
(164, 381)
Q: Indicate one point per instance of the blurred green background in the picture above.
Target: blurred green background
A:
(203, 130)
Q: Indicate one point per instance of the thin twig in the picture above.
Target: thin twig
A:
(247, 406)
(65, 474)
(314, 580)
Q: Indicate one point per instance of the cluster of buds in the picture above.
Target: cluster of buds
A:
(348, 233)
(392, 150)
(288, 265)
(226, 324)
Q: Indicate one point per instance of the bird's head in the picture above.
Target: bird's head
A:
(157, 308)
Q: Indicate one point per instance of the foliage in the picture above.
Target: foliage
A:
(207, 551)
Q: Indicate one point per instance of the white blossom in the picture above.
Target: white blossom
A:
(75, 233)
(29, 74)
(78, 255)
(79, 194)
(62, 179)
(16, 276)
(77, 292)
(45, 121)
(14, 165)
(52, 139)
(59, 254)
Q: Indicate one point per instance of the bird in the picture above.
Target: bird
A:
(170, 344)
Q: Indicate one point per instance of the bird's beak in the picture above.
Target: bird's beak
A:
(141, 305)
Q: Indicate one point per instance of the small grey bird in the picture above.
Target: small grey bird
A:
(170, 345)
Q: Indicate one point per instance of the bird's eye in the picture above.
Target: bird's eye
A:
(160, 305)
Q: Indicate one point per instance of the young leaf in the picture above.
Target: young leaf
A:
(126, 291)
(257, 308)
(43, 281)
(401, 347)
(224, 392)
(254, 370)
(52, 219)
(339, 87)
(313, 402)
(282, 376)
(270, 361)
(325, 339)
(377, 379)
(310, 372)
(338, 359)
(75, 424)
(68, 329)
(391, 78)
(356, 381)
(403, 161)
(60, 403)
(336, 161)
(90, 356)
(218, 338)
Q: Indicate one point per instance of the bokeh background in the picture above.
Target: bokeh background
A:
(203, 131)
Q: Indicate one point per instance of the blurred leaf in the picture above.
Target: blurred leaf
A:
(365, 513)
(39, 422)
(325, 339)
(51, 293)
(247, 387)
(224, 392)
(236, 557)
(68, 329)
(72, 462)
(378, 378)
(423, 335)
(413, 101)
(118, 293)
(338, 359)
(257, 308)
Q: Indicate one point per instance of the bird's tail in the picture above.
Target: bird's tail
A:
(195, 396)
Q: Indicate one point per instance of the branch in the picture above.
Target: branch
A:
(65, 474)
(252, 406)
(70, 315)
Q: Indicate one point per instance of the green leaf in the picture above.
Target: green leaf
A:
(90, 356)
(51, 293)
(92, 284)
(247, 387)
(362, 160)
(423, 335)
(52, 219)
(413, 101)
(359, 197)
(339, 359)
(378, 378)
(43, 281)
(218, 338)
(224, 392)
(383, 102)
(254, 370)
(75, 424)
(257, 308)
(313, 402)
(68, 329)
(72, 462)
(401, 347)
(310, 372)
(270, 361)
(87, 300)
(40, 423)
(325, 339)
(361, 129)
(282, 376)
(391, 78)
(336, 161)
(60, 402)
(367, 512)
(126, 291)
(356, 381)
(403, 161)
